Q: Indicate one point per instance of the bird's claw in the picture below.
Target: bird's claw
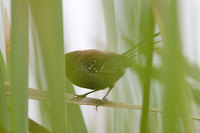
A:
(78, 97)
(100, 102)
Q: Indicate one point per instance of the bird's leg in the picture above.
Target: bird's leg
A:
(104, 98)
(77, 97)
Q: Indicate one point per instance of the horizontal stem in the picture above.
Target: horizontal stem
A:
(38, 94)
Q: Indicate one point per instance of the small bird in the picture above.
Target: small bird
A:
(97, 70)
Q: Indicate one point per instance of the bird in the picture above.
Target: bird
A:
(96, 70)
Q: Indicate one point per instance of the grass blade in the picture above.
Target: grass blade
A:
(74, 114)
(36, 128)
(4, 112)
(176, 97)
(48, 20)
(147, 77)
(19, 66)
(111, 28)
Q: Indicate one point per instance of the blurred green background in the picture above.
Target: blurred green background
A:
(35, 35)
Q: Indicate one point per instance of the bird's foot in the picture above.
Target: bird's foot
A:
(100, 102)
(77, 97)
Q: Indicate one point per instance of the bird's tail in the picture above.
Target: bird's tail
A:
(137, 49)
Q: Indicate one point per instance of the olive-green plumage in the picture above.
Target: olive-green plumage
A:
(97, 70)
(94, 69)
